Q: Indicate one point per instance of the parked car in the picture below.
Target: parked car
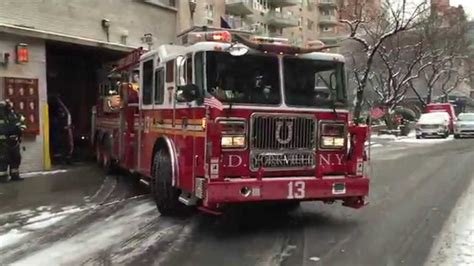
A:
(433, 125)
(464, 126)
(443, 107)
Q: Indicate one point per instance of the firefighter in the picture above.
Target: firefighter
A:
(10, 138)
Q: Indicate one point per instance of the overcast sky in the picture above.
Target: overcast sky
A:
(467, 4)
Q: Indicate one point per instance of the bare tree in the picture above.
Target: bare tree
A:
(393, 19)
(396, 66)
(446, 45)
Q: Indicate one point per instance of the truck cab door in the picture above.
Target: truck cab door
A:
(145, 143)
(183, 117)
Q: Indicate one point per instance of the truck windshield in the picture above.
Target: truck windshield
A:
(249, 79)
(314, 83)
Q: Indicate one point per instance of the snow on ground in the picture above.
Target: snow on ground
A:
(455, 244)
(12, 237)
(384, 136)
(44, 224)
(31, 174)
(111, 231)
(27, 221)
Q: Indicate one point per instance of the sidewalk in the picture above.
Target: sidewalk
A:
(60, 187)
(455, 243)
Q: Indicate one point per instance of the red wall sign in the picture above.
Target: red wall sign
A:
(23, 93)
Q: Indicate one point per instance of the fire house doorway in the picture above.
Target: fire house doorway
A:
(73, 75)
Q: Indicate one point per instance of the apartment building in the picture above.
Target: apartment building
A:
(300, 21)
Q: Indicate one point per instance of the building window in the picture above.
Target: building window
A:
(327, 13)
(310, 24)
(147, 87)
(209, 11)
(159, 86)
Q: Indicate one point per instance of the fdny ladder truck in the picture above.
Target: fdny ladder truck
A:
(225, 119)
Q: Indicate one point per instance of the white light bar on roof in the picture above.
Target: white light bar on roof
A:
(272, 40)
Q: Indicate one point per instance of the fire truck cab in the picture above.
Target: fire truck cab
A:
(227, 119)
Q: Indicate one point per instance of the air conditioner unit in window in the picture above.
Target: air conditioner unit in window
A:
(192, 5)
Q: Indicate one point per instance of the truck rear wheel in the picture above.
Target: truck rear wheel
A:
(165, 195)
(108, 162)
(98, 155)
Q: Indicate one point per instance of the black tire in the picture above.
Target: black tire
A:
(98, 154)
(109, 163)
(446, 135)
(418, 137)
(4, 179)
(165, 195)
(289, 206)
(456, 136)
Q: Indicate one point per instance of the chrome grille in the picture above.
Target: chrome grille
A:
(282, 160)
(283, 132)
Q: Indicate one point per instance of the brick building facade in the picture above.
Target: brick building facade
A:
(67, 42)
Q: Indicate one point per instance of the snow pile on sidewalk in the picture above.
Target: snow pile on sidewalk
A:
(455, 244)
(425, 141)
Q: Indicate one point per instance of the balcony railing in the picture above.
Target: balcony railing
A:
(327, 3)
(283, 3)
(330, 37)
(239, 7)
(280, 20)
(328, 20)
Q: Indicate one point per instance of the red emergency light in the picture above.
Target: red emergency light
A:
(22, 54)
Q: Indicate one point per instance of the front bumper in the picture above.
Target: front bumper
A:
(287, 188)
(467, 130)
(430, 132)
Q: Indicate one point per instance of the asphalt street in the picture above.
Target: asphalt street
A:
(81, 216)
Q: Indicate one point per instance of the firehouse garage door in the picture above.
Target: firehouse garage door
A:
(73, 75)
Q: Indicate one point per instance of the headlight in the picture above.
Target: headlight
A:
(332, 135)
(332, 142)
(233, 134)
(233, 141)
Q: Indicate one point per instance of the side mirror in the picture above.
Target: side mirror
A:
(188, 93)
(181, 70)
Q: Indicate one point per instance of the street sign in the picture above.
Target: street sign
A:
(377, 113)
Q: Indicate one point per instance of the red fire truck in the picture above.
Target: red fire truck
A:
(227, 119)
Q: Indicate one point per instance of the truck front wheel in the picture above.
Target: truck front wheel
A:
(98, 154)
(165, 195)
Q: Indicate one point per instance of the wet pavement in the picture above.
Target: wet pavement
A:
(81, 216)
